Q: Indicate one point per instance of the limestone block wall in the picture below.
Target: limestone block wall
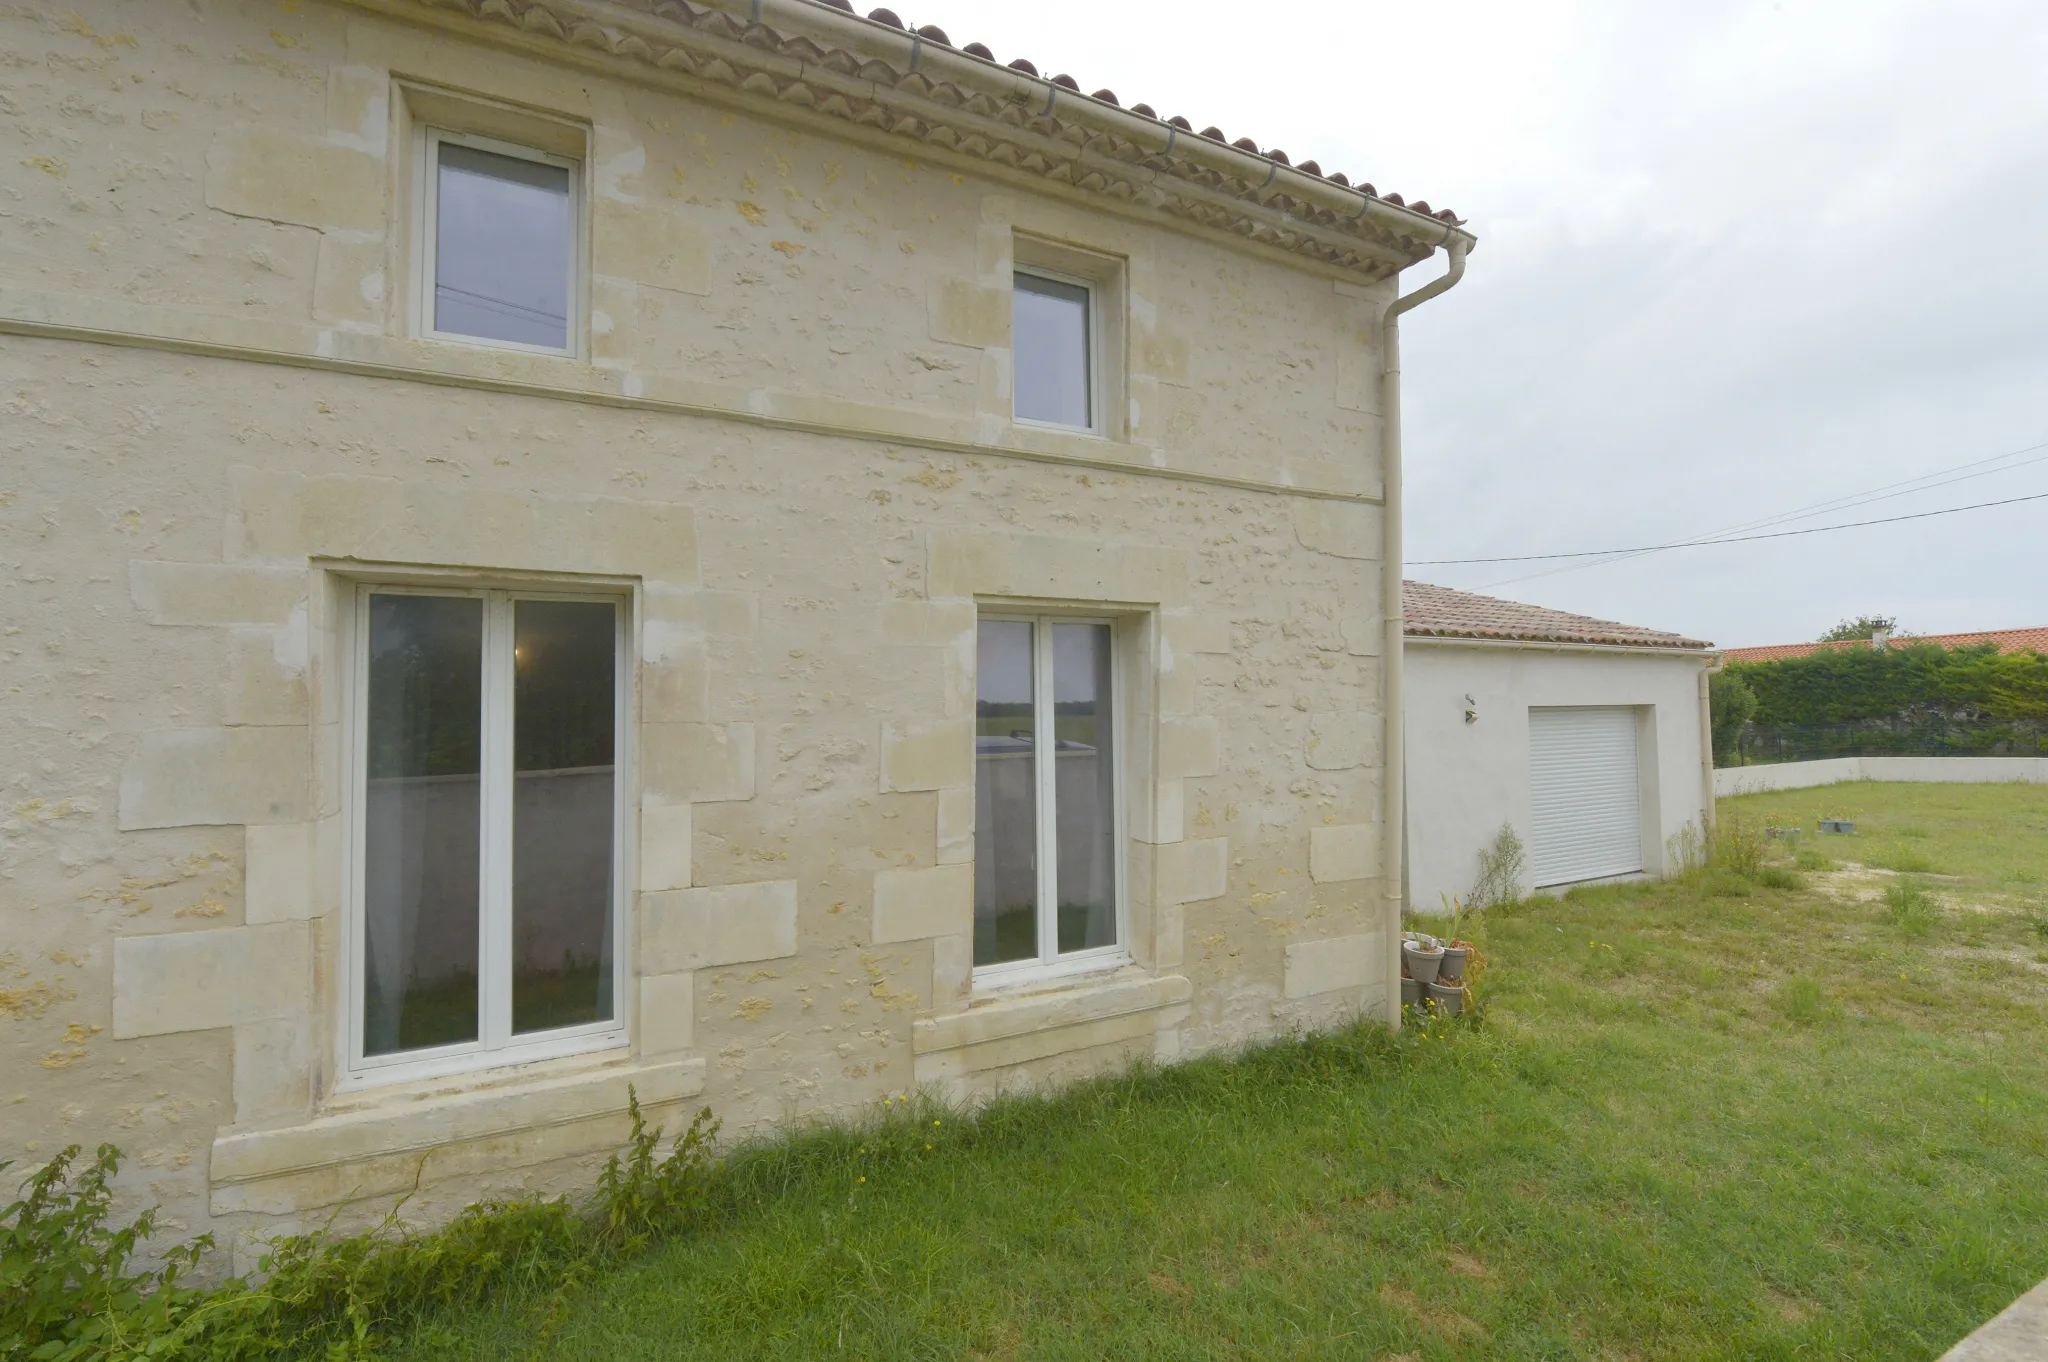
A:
(784, 442)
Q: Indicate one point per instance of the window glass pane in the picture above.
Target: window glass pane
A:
(420, 863)
(1005, 797)
(1084, 770)
(501, 248)
(564, 708)
(1049, 340)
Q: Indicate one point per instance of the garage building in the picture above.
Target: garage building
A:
(1587, 737)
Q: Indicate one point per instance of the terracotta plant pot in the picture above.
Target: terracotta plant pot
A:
(1452, 971)
(1449, 998)
(1411, 992)
(1422, 962)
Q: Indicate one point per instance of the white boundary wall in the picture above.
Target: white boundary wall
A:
(1799, 775)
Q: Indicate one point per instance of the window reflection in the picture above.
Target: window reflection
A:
(1084, 763)
(421, 821)
(502, 247)
(1005, 796)
(1049, 346)
(564, 707)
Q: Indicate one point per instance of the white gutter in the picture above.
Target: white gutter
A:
(1394, 784)
(1547, 645)
(1707, 811)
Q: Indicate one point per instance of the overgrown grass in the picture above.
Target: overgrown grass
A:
(1784, 1123)
(1989, 835)
(1775, 1124)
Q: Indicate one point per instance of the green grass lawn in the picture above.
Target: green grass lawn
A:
(1704, 1119)
(1995, 837)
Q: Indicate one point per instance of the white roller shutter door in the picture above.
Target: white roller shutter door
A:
(1585, 804)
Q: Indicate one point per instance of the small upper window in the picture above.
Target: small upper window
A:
(1051, 321)
(501, 235)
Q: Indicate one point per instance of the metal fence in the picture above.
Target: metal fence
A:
(1926, 737)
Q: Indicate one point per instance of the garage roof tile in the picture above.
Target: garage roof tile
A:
(1429, 611)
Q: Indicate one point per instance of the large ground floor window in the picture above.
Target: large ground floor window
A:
(487, 909)
(1047, 870)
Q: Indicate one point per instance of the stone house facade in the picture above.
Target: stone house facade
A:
(730, 549)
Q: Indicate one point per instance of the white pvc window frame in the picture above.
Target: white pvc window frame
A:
(496, 1045)
(1050, 962)
(1092, 334)
(427, 226)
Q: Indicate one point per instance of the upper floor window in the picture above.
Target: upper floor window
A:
(487, 912)
(1053, 349)
(499, 244)
(1046, 866)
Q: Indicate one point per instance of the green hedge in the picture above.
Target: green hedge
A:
(1914, 737)
(1848, 685)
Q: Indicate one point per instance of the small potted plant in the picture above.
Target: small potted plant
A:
(1421, 958)
(1457, 951)
(1448, 999)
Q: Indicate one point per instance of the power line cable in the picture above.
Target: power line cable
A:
(1734, 539)
(1926, 482)
(1886, 491)
(505, 305)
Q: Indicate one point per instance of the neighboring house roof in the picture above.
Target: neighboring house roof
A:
(820, 57)
(1439, 612)
(2006, 640)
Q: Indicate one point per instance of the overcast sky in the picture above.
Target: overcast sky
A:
(1734, 259)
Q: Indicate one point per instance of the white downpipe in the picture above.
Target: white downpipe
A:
(1394, 790)
(1707, 810)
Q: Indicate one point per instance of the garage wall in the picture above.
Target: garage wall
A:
(1465, 780)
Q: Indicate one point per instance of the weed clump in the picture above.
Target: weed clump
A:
(1737, 847)
(68, 1291)
(67, 1287)
(1911, 908)
(1501, 864)
(1685, 850)
(1801, 1000)
(1725, 884)
(1778, 877)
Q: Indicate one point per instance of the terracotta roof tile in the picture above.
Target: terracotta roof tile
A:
(1439, 612)
(918, 86)
(2008, 641)
(936, 34)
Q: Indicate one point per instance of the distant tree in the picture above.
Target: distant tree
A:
(1859, 629)
(1730, 705)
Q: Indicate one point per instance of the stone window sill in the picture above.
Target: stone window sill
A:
(375, 1143)
(1016, 1027)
